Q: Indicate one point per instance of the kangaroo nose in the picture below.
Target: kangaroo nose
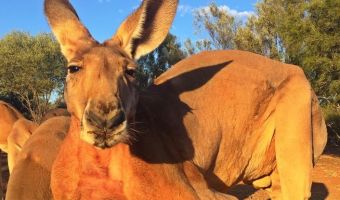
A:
(102, 123)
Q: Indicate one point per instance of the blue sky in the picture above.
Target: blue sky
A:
(102, 17)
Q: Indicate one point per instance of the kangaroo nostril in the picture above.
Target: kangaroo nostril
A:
(116, 120)
(94, 119)
(106, 108)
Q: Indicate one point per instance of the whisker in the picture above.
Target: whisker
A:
(131, 137)
(133, 123)
(134, 130)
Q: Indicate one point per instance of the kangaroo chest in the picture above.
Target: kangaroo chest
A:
(86, 173)
(96, 183)
(97, 180)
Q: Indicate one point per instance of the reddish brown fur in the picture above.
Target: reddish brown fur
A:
(21, 132)
(30, 179)
(251, 119)
(90, 172)
(210, 121)
(9, 115)
(54, 113)
(116, 173)
(229, 164)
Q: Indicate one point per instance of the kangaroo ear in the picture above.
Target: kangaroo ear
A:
(146, 28)
(71, 34)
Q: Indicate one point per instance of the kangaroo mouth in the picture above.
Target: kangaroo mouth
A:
(104, 138)
(107, 142)
(108, 138)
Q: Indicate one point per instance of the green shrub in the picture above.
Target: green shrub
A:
(331, 113)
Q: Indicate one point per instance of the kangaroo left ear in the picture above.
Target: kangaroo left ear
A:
(71, 34)
(146, 28)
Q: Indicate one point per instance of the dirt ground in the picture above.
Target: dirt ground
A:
(326, 180)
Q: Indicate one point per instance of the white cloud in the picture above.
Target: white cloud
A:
(243, 15)
(184, 9)
(187, 9)
(237, 13)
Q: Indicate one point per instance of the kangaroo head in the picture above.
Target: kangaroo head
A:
(100, 85)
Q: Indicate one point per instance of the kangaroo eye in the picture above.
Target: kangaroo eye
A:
(131, 73)
(73, 69)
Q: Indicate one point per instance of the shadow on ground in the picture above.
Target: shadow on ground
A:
(319, 191)
(241, 191)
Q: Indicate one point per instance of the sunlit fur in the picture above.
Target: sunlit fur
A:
(31, 175)
(106, 90)
(22, 131)
(255, 118)
(8, 116)
(210, 121)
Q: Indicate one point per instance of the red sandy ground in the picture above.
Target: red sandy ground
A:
(326, 180)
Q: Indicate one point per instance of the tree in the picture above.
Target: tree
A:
(227, 32)
(32, 70)
(322, 59)
(258, 36)
(305, 33)
(158, 61)
(220, 26)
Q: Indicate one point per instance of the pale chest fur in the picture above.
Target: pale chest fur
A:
(98, 179)
(83, 172)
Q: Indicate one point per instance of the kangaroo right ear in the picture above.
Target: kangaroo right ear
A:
(71, 34)
(146, 28)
